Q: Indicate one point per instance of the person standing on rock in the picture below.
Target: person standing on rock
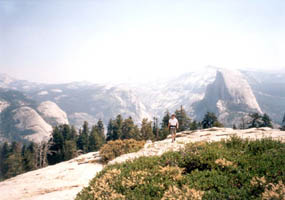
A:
(173, 125)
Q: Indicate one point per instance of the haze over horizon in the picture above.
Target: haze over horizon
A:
(124, 40)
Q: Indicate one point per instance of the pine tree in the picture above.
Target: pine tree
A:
(117, 127)
(283, 124)
(110, 130)
(146, 130)
(165, 120)
(255, 120)
(218, 124)
(155, 128)
(210, 120)
(14, 161)
(66, 131)
(73, 133)
(29, 157)
(243, 124)
(164, 131)
(82, 142)
(93, 139)
(70, 150)
(85, 129)
(194, 125)
(56, 147)
(62, 145)
(101, 131)
(97, 137)
(183, 119)
(267, 122)
(4, 153)
(129, 129)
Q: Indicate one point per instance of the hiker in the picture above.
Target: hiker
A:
(173, 125)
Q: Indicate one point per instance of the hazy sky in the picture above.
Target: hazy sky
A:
(115, 40)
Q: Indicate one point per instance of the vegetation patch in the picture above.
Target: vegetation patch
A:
(233, 169)
(116, 148)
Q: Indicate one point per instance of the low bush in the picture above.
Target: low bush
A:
(116, 148)
(234, 169)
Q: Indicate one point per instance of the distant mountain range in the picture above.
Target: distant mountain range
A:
(29, 110)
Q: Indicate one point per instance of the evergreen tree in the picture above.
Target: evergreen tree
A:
(114, 131)
(14, 161)
(146, 130)
(165, 120)
(101, 132)
(243, 124)
(4, 153)
(164, 131)
(63, 144)
(117, 129)
(93, 139)
(210, 120)
(73, 133)
(56, 147)
(97, 137)
(267, 122)
(70, 150)
(200, 126)
(283, 124)
(110, 130)
(66, 131)
(218, 124)
(129, 129)
(155, 128)
(17, 158)
(194, 125)
(183, 119)
(255, 120)
(70, 140)
(85, 129)
(82, 142)
(29, 157)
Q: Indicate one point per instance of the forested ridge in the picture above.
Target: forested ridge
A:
(66, 142)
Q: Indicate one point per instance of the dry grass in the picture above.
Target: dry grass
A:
(174, 172)
(186, 193)
(135, 178)
(102, 189)
(256, 181)
(113, 149)
(224, 163)
(274, 191)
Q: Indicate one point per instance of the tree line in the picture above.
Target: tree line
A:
(66, 142)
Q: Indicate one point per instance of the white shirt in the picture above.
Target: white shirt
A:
(173, 122)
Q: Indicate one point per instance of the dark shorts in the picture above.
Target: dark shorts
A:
(172, 131)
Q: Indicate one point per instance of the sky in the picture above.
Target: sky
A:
(57, 41)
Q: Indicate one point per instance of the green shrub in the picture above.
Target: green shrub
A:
(233, 169)
(116, 148)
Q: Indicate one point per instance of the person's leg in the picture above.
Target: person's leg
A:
(173, 134)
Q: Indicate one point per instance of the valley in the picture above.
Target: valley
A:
(29, 108)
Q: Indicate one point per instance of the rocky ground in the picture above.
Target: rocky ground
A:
(63, 181)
